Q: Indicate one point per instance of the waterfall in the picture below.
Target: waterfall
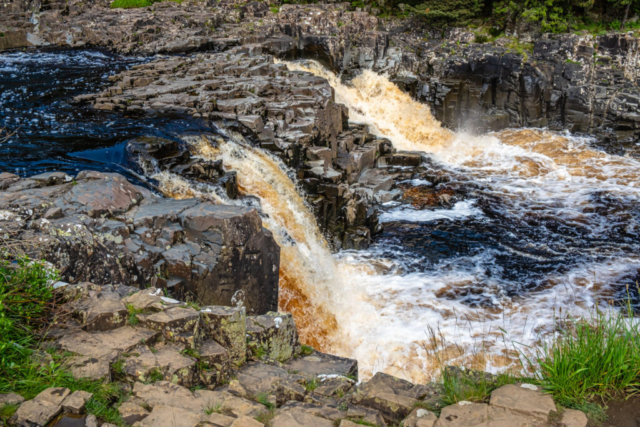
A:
(373, 306)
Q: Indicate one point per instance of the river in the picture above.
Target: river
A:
(547, 225)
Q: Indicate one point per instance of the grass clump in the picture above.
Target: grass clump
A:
(306, 350)
(132, 318)
(6, 412)
(469, 385)
(215, 408)
(311, 385)
(592, 359)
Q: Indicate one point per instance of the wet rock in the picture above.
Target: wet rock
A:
(323, 365)
(273, 336)
(76, 401)
(393, 397)
(227, 326)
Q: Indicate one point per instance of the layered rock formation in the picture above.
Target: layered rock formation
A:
(99, 227)
(188, 367)
(344, 169)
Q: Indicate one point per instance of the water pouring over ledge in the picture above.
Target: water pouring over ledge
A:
(550, 214)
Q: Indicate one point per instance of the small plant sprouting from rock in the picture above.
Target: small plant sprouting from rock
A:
(155, 375)
(311, 385)
(7, 412)
(132, 320)
(214, 408)
(306, 350)
(263, 398)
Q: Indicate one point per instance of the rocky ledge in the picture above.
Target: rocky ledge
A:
(187, 366)
(99, 227)
(345, 170)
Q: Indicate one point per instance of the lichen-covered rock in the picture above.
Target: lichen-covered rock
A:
(215, 364)
(227, 326)
(114, 232)
(178, 324)
(167, 363)
(42, 409)
(273, 336)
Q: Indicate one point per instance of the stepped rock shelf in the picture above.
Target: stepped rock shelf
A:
(216, 366)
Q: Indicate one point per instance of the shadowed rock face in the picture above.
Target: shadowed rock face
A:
(106, 230)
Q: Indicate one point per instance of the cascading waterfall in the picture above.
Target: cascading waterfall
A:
(374, 305)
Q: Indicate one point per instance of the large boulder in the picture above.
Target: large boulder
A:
(107, 230)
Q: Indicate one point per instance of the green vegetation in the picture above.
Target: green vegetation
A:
(132, 4)
(472, 386)
(311, 385)
(133, 312)
(217, 408)
(591, 360)
(306, 350)
(263, 398)
(26, 305)
(7, 412)
(274, 9)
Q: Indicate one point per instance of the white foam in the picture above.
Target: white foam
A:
(460, 210)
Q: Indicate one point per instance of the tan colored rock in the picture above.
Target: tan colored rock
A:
(177, 324)
(53, 395)
(219, 420)
(42, 409)
(573, 418)
(524, 399)
(246, 422)
(420, 417)
(169, 416)
(297, 417)
(95, 368)
(273, 336)
(151, 299)
(166, 362)
(10, 399)
(464, 414)
(131, 412)
(91, 421)
(259, 378)
(333, 387)
(102, 344)
(76, 401)
(227, 326)
(228, 403)
(393, 397)
(500, 417)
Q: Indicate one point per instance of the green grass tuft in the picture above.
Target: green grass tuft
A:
(132, 4)
(306, 350)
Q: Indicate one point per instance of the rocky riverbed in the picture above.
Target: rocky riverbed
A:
(175, 268)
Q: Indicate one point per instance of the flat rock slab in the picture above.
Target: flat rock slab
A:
(170, 416)
(99, 344)
(524, 399)
(322, 364)
(464, 414)
(393, 397)
(299, 418)
(35, 413)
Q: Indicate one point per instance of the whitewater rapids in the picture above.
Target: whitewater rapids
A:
(370, 305)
